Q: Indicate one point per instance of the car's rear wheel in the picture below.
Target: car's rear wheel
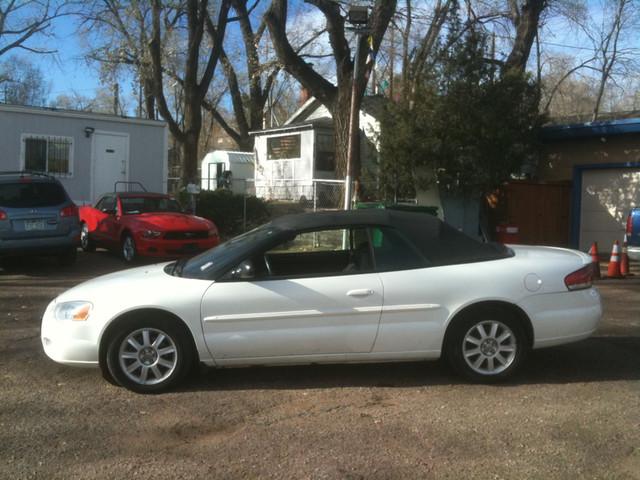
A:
(486, 346)
(85, 241)
(149, 356)
(128, 249)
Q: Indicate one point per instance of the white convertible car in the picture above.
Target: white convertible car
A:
(360, 286)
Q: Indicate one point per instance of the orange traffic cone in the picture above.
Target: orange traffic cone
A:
(595, 259)
(614, 263)
(624, 259)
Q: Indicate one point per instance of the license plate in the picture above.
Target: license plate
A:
(30, 225)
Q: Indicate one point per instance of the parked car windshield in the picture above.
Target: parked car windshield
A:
(31, 194)
(209, 264)
(135, 205)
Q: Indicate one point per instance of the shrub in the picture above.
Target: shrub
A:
(225, 209)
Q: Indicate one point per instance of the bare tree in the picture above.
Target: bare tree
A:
(195, 83)
(248, 104)
(117, 35)
(611, 56)
(21, 22)
(336, 97)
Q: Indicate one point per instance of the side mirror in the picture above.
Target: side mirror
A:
(244, 271)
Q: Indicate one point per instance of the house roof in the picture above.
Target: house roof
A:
(373, 105)
(315, 123)
(59, 112)
(591, 129)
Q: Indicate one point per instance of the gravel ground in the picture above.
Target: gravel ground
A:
(574, 412)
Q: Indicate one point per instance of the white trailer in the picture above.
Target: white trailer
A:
(216, 165)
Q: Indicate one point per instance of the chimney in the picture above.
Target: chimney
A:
(304, 95)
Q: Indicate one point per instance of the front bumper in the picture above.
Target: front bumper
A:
(633, 253)
(69, 342)
(559, 318)
(174, 248)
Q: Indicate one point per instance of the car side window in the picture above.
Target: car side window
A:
(392, 251)
(310, 254)
(321, 253)
(107, 204)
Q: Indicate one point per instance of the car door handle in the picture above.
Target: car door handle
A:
(362, 292)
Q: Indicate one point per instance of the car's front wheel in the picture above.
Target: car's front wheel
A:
(487, 346)
(128, 249)
(149, 356)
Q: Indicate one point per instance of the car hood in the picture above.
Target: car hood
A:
(118, 283)
(172, 221)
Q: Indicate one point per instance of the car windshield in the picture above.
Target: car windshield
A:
(31, 194)
(213, 262)
(135, 205)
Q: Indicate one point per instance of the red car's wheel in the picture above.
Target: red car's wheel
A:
(128, 249)
(85, 241)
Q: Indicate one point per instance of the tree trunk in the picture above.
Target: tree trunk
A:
(149, 99)
(340, 114)
(192, 127)
(526, 22)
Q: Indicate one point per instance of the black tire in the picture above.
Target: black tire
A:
(128, 251)
(68, 258)
(86, 243)
(491, 359)
(122, 355)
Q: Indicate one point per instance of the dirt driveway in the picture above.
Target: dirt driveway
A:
(574, 412)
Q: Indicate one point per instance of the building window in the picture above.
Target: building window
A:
(48, 154)
(284, 147)
(325, 153)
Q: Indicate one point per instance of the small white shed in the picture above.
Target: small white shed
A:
(216, 163)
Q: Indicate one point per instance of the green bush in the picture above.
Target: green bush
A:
(225, 209)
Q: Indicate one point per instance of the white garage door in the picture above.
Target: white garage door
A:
(607, 196)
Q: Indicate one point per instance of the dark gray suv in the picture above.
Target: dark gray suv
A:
(37, 217)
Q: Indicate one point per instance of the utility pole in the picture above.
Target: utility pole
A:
(359, 18)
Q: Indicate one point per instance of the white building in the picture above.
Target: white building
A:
(88, 152)
(297, 160)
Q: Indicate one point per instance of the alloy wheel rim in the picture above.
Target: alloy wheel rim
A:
(128, 249)
(148, 356)
(489, 347)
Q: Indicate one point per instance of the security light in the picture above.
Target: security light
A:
(88, 131)
(358, 15)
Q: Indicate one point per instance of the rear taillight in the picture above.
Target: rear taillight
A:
(69, 211)
(580, 279)
(629, 224)
(3, 215)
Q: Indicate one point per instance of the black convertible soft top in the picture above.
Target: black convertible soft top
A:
(438, 242)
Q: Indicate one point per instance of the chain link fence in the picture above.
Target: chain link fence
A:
(313, 195)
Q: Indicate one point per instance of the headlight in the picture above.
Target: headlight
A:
(76, 311)
(151, 234)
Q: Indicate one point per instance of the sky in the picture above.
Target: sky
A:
(68, 72)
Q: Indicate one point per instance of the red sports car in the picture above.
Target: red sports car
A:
(144, 224)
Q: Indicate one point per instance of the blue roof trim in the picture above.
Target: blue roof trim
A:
(591, 129)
